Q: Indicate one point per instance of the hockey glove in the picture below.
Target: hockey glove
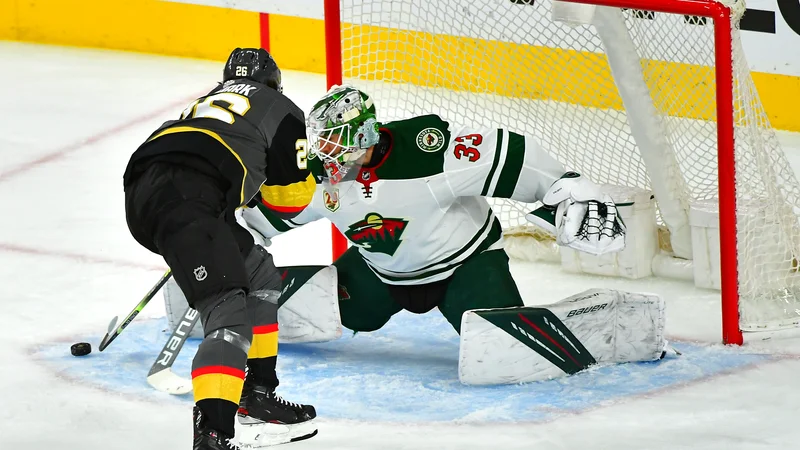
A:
(581, 216)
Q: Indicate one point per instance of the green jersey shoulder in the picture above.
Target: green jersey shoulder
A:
(418, 147)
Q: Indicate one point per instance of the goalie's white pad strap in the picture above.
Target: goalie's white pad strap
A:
(311, 314)
(517, 345)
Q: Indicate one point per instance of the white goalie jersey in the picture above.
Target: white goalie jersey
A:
(420, 212)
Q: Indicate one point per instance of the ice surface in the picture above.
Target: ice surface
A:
(71, 118)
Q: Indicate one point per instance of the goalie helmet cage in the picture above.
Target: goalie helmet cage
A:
(652, 94)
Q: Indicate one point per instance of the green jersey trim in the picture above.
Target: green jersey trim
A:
(495, 163)
(512, 168)
(279, 225)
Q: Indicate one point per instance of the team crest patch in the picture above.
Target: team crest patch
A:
(377, 234)
(331, 201)
(430, 140)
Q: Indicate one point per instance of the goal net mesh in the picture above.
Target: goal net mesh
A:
(509, 64)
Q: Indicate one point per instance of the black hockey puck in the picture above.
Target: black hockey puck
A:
(81, 349)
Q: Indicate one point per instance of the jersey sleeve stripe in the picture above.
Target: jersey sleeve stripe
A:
(291, 198)
(509, 175)
(499, 157)
(216, 137)
(280, 225)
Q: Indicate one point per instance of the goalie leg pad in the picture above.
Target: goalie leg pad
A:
(516, 345)
(309, 309)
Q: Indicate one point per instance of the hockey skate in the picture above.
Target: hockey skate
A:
(266, 419)
(207, 438)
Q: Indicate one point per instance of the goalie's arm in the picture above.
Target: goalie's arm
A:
(270, 224)
(499, 163)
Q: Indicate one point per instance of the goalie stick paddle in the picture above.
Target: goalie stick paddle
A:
(114, 331)
(161, 377)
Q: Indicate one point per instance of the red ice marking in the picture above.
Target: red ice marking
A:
(4, 246)
(76, 146)
(547, 336)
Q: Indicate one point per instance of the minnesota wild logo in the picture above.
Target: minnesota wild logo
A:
(377, 234)
(430, 140)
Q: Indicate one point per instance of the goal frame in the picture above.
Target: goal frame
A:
(720, 16)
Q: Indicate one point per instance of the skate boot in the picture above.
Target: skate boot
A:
(207, 438)
(267, 419)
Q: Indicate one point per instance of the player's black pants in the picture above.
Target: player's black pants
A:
(181, 214)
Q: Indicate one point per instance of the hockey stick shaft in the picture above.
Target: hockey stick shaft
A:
(160, 375)
(114, 331)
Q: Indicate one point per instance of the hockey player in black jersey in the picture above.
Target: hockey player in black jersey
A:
(242, 142)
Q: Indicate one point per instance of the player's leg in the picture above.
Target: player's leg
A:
(365, 303)
(266, 418)
(179, 212)
(484, 281)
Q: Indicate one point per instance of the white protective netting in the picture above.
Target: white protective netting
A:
(509, 64)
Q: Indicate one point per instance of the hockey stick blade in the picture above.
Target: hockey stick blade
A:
(167, 381)
(161, 377)
(114, 331)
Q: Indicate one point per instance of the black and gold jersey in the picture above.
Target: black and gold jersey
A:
(252, 134)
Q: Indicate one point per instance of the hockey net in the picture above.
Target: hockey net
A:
(638, 93)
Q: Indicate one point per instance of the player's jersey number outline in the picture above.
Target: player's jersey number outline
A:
(208, 108)
(301, 145)
(468, 150)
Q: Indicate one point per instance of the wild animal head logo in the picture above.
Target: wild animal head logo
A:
(430, 140)
(377, 234)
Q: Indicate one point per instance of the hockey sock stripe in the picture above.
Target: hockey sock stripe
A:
(218, 382)
(265, 342)
(225, 370)
(264, 329)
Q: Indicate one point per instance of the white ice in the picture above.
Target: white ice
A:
(69, 119)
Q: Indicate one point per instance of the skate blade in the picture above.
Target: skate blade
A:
(252, 434)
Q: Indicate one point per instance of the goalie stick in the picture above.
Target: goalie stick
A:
(161, 376)
(114, 331)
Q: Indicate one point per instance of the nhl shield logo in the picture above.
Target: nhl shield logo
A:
(200, 273)
(430, 140)
(331, 201)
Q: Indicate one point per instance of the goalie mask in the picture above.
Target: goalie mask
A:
(341, 127)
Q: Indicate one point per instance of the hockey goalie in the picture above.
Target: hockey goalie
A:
(409, 196)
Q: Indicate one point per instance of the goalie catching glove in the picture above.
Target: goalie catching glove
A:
(581, 216)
